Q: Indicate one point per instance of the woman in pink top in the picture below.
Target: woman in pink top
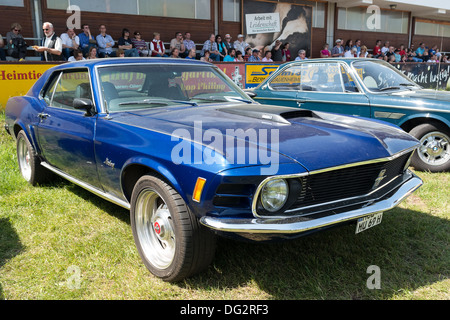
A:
(325, 53)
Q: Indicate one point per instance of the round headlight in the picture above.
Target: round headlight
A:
(274, 194)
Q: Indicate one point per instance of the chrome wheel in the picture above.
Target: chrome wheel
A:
(24, 158)
(434, 148)
(154, 229)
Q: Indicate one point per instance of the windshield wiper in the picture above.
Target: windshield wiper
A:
(389, 88)
(157, 102)
(223, 99)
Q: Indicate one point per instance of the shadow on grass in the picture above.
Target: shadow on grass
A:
(10, 245)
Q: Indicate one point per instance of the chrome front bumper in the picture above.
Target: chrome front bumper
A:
(293, 225)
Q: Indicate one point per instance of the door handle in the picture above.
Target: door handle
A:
(43, 115)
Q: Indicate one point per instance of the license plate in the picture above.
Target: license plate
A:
(368, 222)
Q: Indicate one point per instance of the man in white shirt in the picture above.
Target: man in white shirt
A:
(51, 44)
(240, 44)
(70, 42)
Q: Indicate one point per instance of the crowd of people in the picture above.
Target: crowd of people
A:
(385, 51)
(71, 46)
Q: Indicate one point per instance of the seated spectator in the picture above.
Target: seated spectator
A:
(206, 57)
(188, 43)
(433, 59)
(325, 53)
(357, 46)
(2, 51)
(239, 56)
(221, 47)
(126, 44)
(70, 42)
(385, 48)
(301, 55)
(267, 56)
(120, 53)
(192, 54)
(377, 49)
(338, 50)
(240, 44)
(157, 46)
(211, 46)
(140, 44)
(351, 53)
(445, 59)
(402, 50)
(391, 58)
(390, 52)
(77, 55)
(105, 43)
(15, 43)
(228, 44)
(87, 40)
(363, 52)
(397, 55)
(277, 54)
(231, 56)
(286, 52)
(255, 56)
(92, 54)
(175, 53)
(420, 52)
(178, 43)
(248, 53)
(348, 45)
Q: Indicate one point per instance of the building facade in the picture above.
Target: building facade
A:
(399, 22)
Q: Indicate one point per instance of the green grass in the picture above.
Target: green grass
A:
(49, 231)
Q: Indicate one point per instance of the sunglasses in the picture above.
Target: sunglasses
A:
(16, 30)
(45, 29)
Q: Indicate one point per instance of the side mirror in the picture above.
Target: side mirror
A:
(250, 93)
(84, 104)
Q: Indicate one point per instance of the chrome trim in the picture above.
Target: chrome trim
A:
(298, 175)
(294, 225)
(96, 191)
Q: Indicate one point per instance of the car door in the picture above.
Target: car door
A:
(328, 86)
(65, 134)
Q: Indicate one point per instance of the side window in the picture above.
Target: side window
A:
(323, 77)
(349, 82)
(71, 85)
(47, 95)
(288, 80)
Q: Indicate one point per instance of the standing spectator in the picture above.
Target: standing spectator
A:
(70, 42)
(325, 53)
(228, 44)
(337, 50)
(231, 56)
(92, 54)
(240, 44)
(277, 54)
(51, 48)
(140, 44)
(301, 55)
(377, 49)
(2, 51)
(105, 43)
(221, 47)
(178, 43)
(126, 44)
(192, 54)
(16, 46)
(255, 56)
(267, 56)
(211, 46)
(286, 52)
(157, 46)
(87, 40)
(188, 43)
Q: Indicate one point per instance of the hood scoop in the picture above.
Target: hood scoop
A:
(270, 113)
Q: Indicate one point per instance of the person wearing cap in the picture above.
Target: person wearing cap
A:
(337, 50)
(255, 56)
(240, 44)
(228, 44)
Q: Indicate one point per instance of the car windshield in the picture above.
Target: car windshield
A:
(379, 76)
(127, 87)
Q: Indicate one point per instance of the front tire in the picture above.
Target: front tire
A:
(433, 153)
(170, 240)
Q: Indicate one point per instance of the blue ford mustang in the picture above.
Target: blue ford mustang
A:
(369, 88)
(192, 156)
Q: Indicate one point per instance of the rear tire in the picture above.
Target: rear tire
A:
(170, 240)
(433, 153)
(29, 163)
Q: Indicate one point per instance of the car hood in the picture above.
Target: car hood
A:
(316, 140)
(428, 95)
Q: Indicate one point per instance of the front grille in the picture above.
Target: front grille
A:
(347, 183)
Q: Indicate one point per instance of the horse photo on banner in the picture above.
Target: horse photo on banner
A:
(265, 22)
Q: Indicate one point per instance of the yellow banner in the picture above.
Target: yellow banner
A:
(17, 79)
(256, 73)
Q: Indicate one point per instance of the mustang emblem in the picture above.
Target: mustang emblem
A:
(380, 178)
